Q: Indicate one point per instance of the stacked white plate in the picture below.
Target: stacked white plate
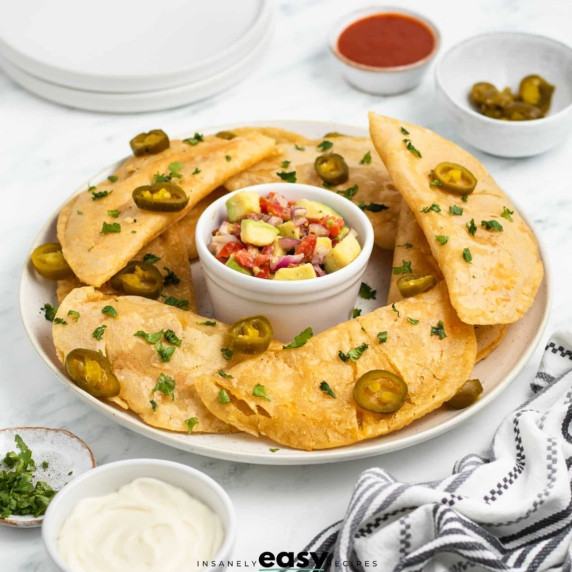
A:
(127, 56)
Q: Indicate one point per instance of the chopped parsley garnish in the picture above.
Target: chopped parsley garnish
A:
(471, 227)
(465, 198)
(404, 131)
(506, 213)
(382, 337)
(286, 164)
(79, 212)
(356, 312)
(95, 195)
(405, 245)
(366, 292)
(113, 213)
(174, 169)
(325, 145)
(467, 256)
(108, 228)
(300, 147)
(455, 210)
(366, 159)
(260, 391)
(150, 258)
(409, 146)
(412, 321)
(434, 207)
(159, 178)
(288, 177)
(150, 338)
(170, 277)
(372, 207)
(60, 321)
(492, 225)
(190, 423)
(405, 268)
(441, 239)
(228, 157)
(325, 387)
(395, 309)
(112, 179)
(300, 339)
(274, 449)
(45, 465)
(207, 323)
(223, 373)
(438, 330)
(196, 171)
(165, 384)
(165, 352)
(176, 302)
(195, 139)
(435, 183)
(226, 353)
(49, 311)
(98, 332)
(73, 315)
(349, 192)
(223, 396)
(354, 354)
(153, 404)
(110, 311)
(172, 338)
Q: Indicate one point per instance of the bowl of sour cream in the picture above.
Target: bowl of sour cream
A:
(140, 514)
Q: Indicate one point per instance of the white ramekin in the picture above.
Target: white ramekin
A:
(109, 478)
(291, 307)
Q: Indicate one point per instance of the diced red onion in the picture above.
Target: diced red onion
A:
(285, 261)
(288, 243)
(318, 229)
(298, 211)
(300, 221)
(353, 232)
(219, 241)
(274, 220)
(318, 269)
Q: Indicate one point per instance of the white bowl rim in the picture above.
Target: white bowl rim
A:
(356, 15)
(251, 283)
(491, 121)
(230, 531)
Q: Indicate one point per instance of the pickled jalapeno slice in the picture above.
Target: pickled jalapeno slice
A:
(250, 335)
(332, 168)
(535, 90)
(412, 284)
(455, 178)
(149, 143)
(380, 391)
(138, 279)
(467, 395)
(48, 260)
(161, 197)
(91, 371)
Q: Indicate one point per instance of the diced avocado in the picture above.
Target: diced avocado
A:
(278, 250)
(343, 233)
(241, 204)
(316, 210)
(298, 273)
(289, 230)
(257, 232)
(342, 254)
(323, 242)
(232, 263)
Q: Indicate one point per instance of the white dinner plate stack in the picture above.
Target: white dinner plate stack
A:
(126, 56)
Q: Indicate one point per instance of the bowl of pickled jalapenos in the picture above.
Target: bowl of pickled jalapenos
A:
(508, 93)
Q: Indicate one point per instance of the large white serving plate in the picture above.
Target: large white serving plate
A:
(496, 372)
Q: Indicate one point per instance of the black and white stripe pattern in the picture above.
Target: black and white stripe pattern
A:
(510, 512)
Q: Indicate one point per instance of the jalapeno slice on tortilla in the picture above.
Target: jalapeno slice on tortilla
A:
(251, 335)
(454, 178)
(332, 168)
(48, 260)
(228, 135)
(91, 371)
(535, 90)
(413, 284)
(149, 143)
(467, 395)
(138, 279)
(380, 391)
(161, 197)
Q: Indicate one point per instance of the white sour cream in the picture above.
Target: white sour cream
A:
(147, 525)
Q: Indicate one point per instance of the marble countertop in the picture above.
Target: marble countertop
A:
(48, 150)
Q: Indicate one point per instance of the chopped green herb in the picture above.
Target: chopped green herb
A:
(395, 309)
(196, 171)
(325, 387)
(73, 315)
(471, 227)
(150, 258)
(223, 396)
(349, 192)
(412, 321)
(110, 311)
(356, 312)
(300, 339)
(228, 157)
(45, 465)
(159, 178)
(405, 268)
(174, 169)
(107, 228)
(226, 353)
(60, 321)
(404, 131)
(98, 332)
(372, 207)
(274, 449)
(112, 178)
(455, 210)
(366, 292)
(354, 354)
(259, 391)
(195, 139)
(165, 352)
(465, 198)
(286, 164)
(172, 338)
(300, 147)
(191, 422)
(113, 213)
(405, 245)
(170, 277)
(434, 207)
(366, 159)
(506, 213)
(79, 212)
(467, 256)
(288, 177)
(176, 302)
(441, 239)
(153, 404)
(223, 373)
(435, 183)
(99, 194)
(409, 146)
(325, 145)
(133, 232)
(438, 330)
(166, 385)
(492, 225)
(150, 338)
(207, 323)
(382, 337)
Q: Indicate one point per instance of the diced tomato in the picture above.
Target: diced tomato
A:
(268, 250)
(262, 271)
(306, 246)
(261, 259)
(333, 224)
(228, 249)
(244, 258)
(264, 205)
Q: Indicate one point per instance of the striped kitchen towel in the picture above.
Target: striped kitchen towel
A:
(508, 510)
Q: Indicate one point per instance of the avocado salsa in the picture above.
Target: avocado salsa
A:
(273, 238)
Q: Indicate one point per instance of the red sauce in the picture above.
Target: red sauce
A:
(386, 40)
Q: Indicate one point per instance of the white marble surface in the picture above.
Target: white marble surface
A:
(46, 151)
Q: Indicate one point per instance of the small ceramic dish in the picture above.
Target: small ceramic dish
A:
(109, 478)
(291, 306)
(503, 59)
(66, 455)
(382, 80)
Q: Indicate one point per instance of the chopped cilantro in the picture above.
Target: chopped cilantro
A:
(195, 139)
(98, 332)
(176, 302)
(110, 311)
(288, 177)
(79, 212)
(471, 227)
(228, 157)
(300, 339)
(325, 145)
(274, 449)
(467, 256)
(170, 277)
(73, 315)
(174, 169)
(223, 396)
(153, 404)
(409, 146)
(404, 131)
(372, 207)
(150, 258)
(492, 225)
(112, 179)
(438, 330)
(325, 387)
(395, 309)
(172, 338)
(107, 228)
(45, 465)
(405, 245)
(465, 198)
(60, 321)
(113, 213)
(434, 207)
(506, 213)
(366, 159)
(405, 268)
(223, 373)
(207, 323)
(412, 321)
(286, 164)
(190, 423)
(166, 385)
(226, 353)
(382, 337)
(300, 147)
(165, 352)
(49, 311)
(435, 183)
(356, 312)
(354, 354)
(349, 192)
(150, 338)
(366, 292)
(260, 391)
(95, 195)
(196, 171)
(455, 210)
(441, 239)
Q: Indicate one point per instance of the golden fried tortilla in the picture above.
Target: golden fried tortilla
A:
(137, 364)
(300, 415)
(173, 264)
(412, 247)
(499, 284)
(298, 153)
(95, 256)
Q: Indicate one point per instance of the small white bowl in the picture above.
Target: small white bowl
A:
(291, 307)
(109, 478)
(503, 59)
(381, 80)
